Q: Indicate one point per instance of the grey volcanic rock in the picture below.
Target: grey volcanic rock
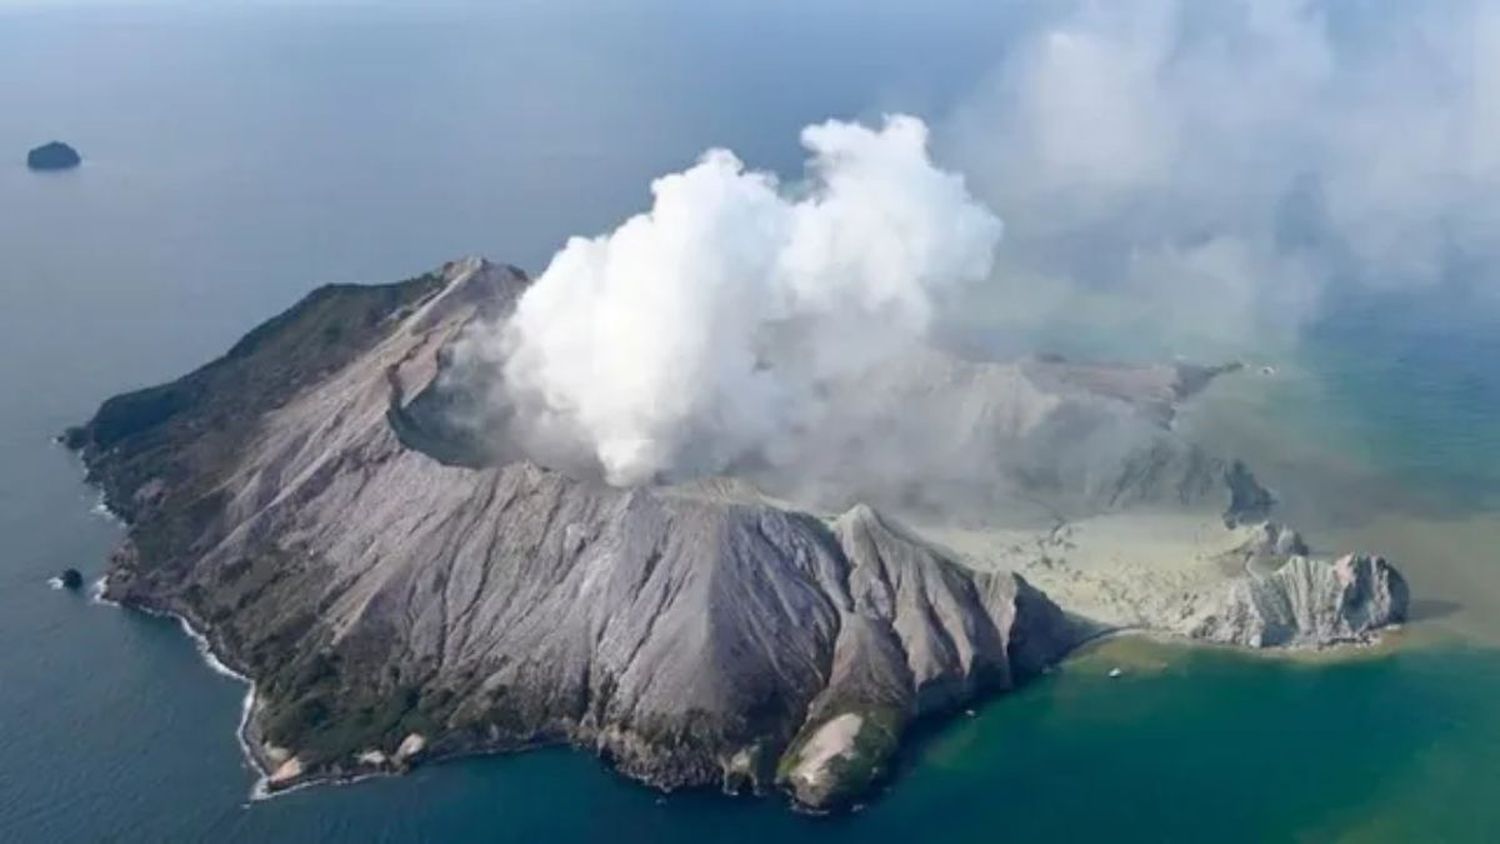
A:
(1269, 547)
(392, 606)
(1308, 602)
(917, 635)
(71, 579)
(55, 155)
(1248, 500)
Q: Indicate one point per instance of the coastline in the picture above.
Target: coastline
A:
(263, 788)
(1385, 642)
(258, 790)
(98, 595)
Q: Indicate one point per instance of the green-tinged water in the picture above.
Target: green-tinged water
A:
(234, 158)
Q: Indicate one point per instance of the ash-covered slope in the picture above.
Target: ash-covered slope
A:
(1015, 441)
(398, 587)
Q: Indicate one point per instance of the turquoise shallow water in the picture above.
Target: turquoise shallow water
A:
(199, 214)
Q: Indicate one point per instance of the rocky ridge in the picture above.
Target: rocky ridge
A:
(1307, 602)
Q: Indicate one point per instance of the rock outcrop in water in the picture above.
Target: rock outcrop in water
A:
(55, 155)
(398, 589)
(1308, 602)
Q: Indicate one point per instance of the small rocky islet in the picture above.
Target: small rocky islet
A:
(399, 592)
(54, 155)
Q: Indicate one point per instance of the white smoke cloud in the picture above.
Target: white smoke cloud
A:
(702, 332)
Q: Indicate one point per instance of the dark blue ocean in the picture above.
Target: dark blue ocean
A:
(238, 155)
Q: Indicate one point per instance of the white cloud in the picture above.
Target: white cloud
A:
(1326, 141)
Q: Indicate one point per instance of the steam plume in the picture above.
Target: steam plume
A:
(700, 333)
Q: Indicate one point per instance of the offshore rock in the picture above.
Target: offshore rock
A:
(55, 155)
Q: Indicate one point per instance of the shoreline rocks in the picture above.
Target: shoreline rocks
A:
(1308, 602)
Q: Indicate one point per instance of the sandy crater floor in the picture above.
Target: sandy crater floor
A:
(1120, 570)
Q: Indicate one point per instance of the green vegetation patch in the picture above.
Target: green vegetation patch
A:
(855, 771)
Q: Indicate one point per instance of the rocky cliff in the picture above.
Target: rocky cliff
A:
(1307, 602)
(399, 587)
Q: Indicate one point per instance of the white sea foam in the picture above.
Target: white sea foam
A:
(96, 593)
(101, 509)
(206, 651)
(259, 790)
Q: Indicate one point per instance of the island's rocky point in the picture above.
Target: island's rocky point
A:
(399, 591)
